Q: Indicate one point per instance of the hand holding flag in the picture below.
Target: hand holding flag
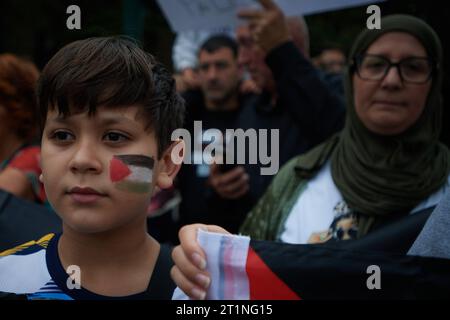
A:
(189, 271)
(240, 268)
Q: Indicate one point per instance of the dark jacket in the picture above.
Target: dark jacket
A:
(308, 110)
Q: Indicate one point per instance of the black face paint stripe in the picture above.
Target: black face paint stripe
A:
(137, 160)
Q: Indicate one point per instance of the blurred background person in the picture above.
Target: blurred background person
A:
(332, 60)
(185, 55)
(19, 149)
(217, 104)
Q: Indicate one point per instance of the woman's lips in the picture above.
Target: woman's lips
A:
(389, 103)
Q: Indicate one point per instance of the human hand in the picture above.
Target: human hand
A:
(189, 273)
(268, 26)
(232, 184)
(249, 86)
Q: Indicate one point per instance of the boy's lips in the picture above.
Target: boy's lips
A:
(85, 194)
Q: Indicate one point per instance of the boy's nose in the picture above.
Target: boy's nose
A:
(86, 159)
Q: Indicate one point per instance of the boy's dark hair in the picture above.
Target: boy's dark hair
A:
(217, 42)
(113, 72)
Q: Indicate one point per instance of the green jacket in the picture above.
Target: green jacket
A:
(267, 218)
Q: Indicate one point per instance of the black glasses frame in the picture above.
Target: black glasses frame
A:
(357, 61)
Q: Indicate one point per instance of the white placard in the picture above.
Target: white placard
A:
(214, 14)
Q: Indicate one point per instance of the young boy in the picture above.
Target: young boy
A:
(108, 110)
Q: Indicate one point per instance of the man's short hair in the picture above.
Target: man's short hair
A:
(217, 42)
(112, 72)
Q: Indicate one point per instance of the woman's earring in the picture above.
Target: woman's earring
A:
(41, 178)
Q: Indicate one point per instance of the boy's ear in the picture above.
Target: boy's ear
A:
(170, 164)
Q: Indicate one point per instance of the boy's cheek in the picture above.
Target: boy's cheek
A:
(132, 173)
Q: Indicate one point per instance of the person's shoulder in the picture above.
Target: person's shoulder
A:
(306, 165)
(23, 268)
(248, 98)
(195, 105)
(28, 151)
(27, 157)
(161, 286)
(28, 247)
(165, 258)
(192, 97)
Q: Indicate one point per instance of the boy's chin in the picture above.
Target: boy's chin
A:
(88, 229)
(105, 219)
(89, 226)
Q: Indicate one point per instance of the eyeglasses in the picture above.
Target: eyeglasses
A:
(412, 70)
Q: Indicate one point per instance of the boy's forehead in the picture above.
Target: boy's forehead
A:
(116, 114)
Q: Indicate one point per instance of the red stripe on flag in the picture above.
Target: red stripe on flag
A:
(118, 170)
(263, 283)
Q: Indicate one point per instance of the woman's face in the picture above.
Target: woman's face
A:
(390, 106)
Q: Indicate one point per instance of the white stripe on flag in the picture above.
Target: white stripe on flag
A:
(226, 260)
(140, 174)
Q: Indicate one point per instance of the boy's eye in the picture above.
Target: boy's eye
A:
(115, 137)
(62, 136)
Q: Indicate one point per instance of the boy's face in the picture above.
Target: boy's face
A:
(99, 171)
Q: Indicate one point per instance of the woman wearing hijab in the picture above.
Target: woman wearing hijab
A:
(387, 161)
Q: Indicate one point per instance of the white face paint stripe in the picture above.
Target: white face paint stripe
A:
(140, 174)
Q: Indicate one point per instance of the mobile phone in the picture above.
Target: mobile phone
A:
(225, 167)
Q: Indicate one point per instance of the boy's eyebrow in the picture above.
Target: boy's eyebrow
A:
(104, 120)
(110, 120)
(60, 119)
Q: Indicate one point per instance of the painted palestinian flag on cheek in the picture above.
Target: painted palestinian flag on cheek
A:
(133, 173)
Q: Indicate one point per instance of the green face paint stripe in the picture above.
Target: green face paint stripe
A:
(135, 187)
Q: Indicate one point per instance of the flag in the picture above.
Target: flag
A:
(132, 173)
(243, 269)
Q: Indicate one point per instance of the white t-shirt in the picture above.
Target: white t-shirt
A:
(313, 210)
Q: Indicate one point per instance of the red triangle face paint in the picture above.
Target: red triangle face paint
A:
(118, 170)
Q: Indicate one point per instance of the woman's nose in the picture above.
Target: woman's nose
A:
(392, 78)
